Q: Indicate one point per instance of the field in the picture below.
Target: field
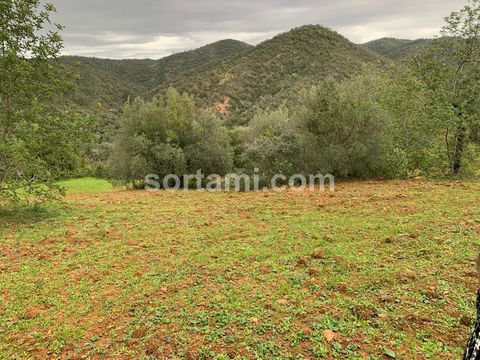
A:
(376, 270)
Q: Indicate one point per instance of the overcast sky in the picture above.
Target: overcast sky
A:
(157, 28)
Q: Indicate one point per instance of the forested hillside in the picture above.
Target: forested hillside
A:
(111, 82)
(396, 49)
(274, 71)
(238, 81)
(231, 76)
(106, 81)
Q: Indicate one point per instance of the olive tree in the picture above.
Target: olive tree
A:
(345, 131)
(272, 143)
(168, 135)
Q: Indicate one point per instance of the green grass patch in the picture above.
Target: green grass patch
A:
(86, 186)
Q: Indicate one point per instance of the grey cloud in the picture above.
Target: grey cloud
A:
(149, 28)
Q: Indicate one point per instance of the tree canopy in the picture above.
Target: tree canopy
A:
(39, 139)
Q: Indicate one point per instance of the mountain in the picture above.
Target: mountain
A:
(272, 72)
(111, 82)
(230, 76)
(396, 49)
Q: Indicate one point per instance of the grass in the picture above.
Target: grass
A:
(86, 186)
(377, 270)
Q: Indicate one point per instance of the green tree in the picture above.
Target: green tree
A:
(168, 136)
(450, 71)
(210, 149)
(273, 143)
(151, 137)
(38, 139)
(345, 131)
(416, 135)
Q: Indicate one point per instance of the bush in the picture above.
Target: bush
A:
(210, 149)
(169, 136)
(416, 134)
(345, 132)
(272, 143)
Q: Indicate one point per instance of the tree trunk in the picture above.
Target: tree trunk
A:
(459, 148)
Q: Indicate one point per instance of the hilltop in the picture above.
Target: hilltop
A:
(272, 72)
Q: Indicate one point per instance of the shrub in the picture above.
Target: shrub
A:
(169, 136)
(272, 143)
(345, 132)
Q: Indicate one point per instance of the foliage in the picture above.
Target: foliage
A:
(450, 70)
(36, 142)
(104, 85)
(273, 72)
(345, 131)
(112, 82)
(416, 134)
(169, 136)
(374, 125)
(210, 149)
(397, 49)
(98, 151)
(272, 143)
(239, 143)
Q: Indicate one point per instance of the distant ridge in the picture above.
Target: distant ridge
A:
(396, 49)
